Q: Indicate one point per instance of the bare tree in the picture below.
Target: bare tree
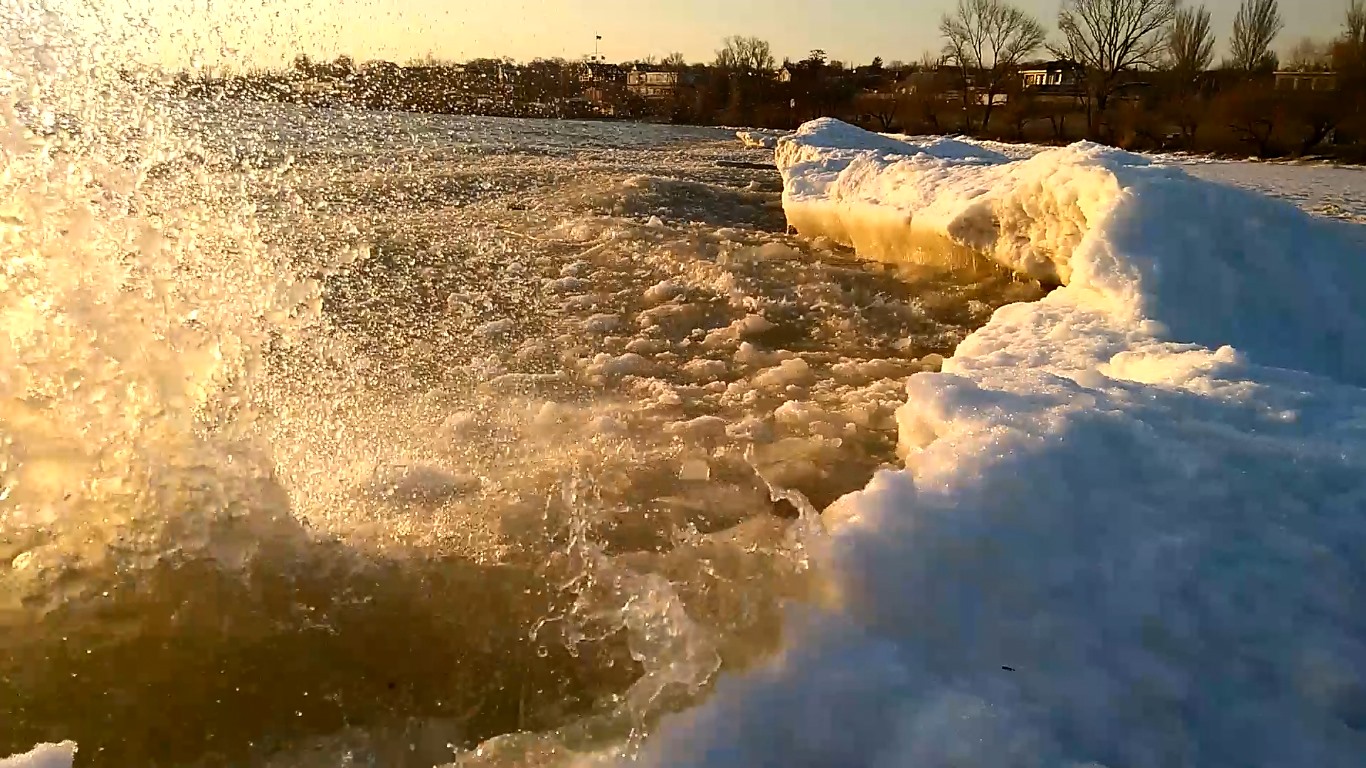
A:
(882, 107)
(1349, 56)
(1350, 48)
(675, 61)
(988, 39)
(1110, 37)
(1190, 43)
(1254, 29)
(745, 54)
(1190, 51)
(304, 65)
(1254, 115)
(1310, 55)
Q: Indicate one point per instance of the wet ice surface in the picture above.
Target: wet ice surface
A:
(550, 452)
(624, 288)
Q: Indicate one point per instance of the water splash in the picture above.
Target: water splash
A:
(313, 434)
(137, 310)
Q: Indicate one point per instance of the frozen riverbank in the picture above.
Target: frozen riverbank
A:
(1130, 527)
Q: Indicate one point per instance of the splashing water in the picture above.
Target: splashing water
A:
(137, 310)
(335, 438)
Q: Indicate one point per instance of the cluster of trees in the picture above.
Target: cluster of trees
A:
(1145, 78)
(744, 85)
(1141, 74)
(541, 88)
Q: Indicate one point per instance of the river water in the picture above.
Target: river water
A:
(340, 438)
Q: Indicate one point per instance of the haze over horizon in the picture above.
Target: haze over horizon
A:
(272, 32)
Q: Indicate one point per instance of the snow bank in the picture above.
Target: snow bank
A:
(1131, 527)
(44, 756)
(1147, 244)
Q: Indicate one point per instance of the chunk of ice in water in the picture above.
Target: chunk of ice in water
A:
(496, 328)
(795, 372)
(602, 323)
(44, 756)
(665, 290)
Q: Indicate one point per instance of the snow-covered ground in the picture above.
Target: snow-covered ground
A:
(1326, 190)
(1334, 191)
(1131, 526)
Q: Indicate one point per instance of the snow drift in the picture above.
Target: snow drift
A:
(1131, 527)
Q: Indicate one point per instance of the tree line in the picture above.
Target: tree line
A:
(1145, 78)
(1134, 73)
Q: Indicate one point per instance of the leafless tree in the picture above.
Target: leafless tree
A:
(675, 61)
(1312, 117)
(882, 107)
(1349, 57)
(1190, 43)
(1190, 51)
(1352, 44)
(1254, 115)
(1110, 37)
(745, 54)
(1254, 29)
(987, 39)
(304, 66)
(1310, 55)
(1357, 22)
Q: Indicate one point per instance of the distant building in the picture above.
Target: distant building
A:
(657, 84)
(603, 85)
(1306, 81)
(1061, 78)
(597, 73)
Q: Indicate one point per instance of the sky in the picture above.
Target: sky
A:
(270, 32)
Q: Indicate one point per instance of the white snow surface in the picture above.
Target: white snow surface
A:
(43, 756)
(1327, 190)
(1131, 526)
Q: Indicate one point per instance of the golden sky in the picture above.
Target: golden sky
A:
(271, 32)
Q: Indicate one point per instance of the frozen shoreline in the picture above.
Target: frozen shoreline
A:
(1131, 526)
(1128, 537)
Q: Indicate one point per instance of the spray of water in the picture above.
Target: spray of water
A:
(138, 309)
(158, 358)
(324, 450)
